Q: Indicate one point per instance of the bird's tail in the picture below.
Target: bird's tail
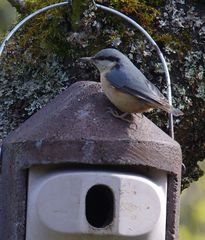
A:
(170, 109)
(164, 105)
(176, 112)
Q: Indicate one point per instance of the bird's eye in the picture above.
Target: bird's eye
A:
(100, 58)
(107, 58)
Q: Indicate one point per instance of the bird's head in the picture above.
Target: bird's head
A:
(106, 59)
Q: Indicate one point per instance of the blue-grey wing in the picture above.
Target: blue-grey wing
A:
(135, 83)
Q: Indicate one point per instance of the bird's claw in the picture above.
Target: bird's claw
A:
(116, 114)
(139, 115)
(112, 111)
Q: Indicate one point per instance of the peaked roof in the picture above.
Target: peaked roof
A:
(76, 127)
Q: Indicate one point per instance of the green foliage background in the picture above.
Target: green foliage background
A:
(192, 223)
(8, 17)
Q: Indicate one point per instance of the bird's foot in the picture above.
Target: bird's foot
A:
(116, 114)
(139, 115)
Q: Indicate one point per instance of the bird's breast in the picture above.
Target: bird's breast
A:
(123, 101)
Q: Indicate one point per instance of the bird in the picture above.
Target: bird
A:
(126, 86)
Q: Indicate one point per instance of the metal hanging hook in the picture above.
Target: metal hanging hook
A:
(121, 15)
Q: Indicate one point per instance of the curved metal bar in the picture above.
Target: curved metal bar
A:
(129, 20)
(22, 22)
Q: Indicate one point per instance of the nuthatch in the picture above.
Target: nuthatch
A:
(126, 86)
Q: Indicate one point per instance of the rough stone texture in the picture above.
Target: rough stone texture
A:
(76, 129)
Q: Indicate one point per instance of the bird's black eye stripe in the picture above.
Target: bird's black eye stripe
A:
(108, 58)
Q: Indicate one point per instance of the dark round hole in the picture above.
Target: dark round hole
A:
(99, 206)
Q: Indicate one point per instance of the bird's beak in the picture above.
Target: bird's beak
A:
(86, 59)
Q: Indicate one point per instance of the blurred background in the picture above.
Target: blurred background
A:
(8, 16)
(192, 219)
